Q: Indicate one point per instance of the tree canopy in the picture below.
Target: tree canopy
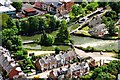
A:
(63, 34)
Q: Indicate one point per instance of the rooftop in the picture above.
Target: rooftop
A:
(30, 10)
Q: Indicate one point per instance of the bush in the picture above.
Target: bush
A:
(57, 50)
(47, 39)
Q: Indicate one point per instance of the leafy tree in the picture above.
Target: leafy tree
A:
(17, 5)
(25, 27)
(77, 9)
(17, 23)
(10, 23)
(42, 24)
(102, 4)
(57, 50)
(57, 24)
(83, 4)
(92, 6)
(111, 27)
(105, 76)
(34, 24)
(5, 18)
(111, 14)
(63, 33)
(115, 6)
(47, 39)
(52, 24)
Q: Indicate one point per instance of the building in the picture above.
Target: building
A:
(67, 4)
(9, 65)
(55, 7)
(99, 30)
(6, 7)
(95, 21)
(29, 12)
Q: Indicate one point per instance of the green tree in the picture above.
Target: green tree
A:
(115, 6)
(42, 24)
(52, 24)
(102, 4)
(92, 6)
(111, 14)
(17, 5)
(105, 76)
(63, 33)
(57, 50)
(83, 4)
(47, 39)
(34, 24)
(111, 27)
(5, 18)
(10, 23)
(25, 27)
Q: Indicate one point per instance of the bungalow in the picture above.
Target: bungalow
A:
(9, 65)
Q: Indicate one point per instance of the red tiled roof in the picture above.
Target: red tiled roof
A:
(30, 10)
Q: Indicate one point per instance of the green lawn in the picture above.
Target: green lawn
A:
(45, 48)
(36, 36)
(74, 26)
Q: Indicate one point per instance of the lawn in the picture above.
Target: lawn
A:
(36, 36)
(73, 27)
(44, 48)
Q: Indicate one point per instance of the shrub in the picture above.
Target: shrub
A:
(57, 50)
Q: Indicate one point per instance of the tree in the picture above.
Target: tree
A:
(102, 4)
(52, 24)
(17, 5)
(5, 18)
(47, 39)
(25, 27)
(57, 50)
(111, 14)
(83, 4)
(77, 10)
(63, 33)
(92, 6)
(42, 24)
(10, 23)
(111, 27)
(115, 6)
(34, 24)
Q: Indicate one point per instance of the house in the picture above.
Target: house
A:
(6, 7)
(41, 64)
(95, 21)
(29, 11)
(71, 54)
(51, 7)
(57, 7)
(99, 30)
(9, 65)
(67, 4)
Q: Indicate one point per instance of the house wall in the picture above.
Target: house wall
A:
(13, 73)
(68, 5)
(38, 66)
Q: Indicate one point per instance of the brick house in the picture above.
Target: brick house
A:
(9, 65)
(54, 7)
(67, 4)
